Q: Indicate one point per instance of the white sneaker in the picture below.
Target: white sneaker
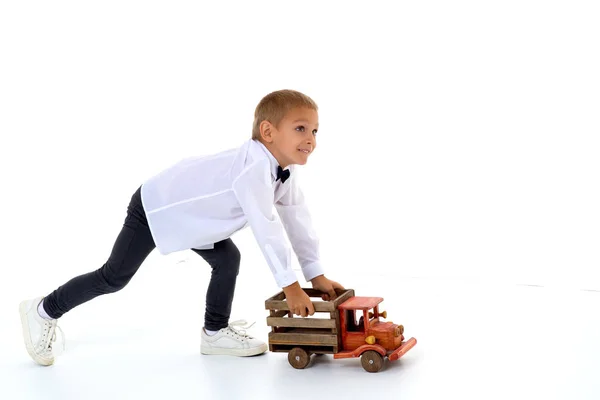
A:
(38, 333)
(232, 341)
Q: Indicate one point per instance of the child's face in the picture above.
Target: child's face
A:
(295, 137)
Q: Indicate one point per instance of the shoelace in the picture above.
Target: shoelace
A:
(243, 324)
(50, 337)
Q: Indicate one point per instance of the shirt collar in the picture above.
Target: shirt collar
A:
(272, 159)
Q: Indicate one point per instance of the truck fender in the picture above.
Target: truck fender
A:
(366, 347)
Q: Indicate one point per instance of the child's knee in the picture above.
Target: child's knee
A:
(231, 268)
(111, 282)
(232, 263)
(236, 259)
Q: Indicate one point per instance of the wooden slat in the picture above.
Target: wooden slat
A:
(275, 302)
(309, 291)
(279, 313)
(301, 322)
(335, 316)
(303, 339)
(279, 348)
(278, 296)
(320, 306)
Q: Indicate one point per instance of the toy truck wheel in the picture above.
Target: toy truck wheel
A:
(298, 358)
(371, 361)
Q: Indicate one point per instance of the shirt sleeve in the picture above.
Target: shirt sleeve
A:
(254, 191)
(297, 221)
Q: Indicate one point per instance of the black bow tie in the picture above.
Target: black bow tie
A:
(282, 174)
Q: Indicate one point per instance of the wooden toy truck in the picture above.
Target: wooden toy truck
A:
(352, 327)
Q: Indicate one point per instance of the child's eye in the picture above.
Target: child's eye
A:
(315, 132)
(300, 128)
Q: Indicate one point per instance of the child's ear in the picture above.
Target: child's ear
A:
(266, 130)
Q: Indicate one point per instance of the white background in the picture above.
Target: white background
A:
(458, 144)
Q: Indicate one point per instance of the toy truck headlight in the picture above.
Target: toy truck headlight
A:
(399, 330)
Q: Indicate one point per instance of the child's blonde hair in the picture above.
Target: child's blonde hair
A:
(275, 105)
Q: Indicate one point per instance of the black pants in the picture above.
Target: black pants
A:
(131, 248)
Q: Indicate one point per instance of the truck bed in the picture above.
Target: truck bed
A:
(314, 334)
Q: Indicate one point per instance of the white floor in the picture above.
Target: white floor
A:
(475, 341)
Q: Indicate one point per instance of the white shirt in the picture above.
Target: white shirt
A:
(205, 199)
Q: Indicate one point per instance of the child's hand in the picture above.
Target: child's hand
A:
(298, 301)
(326, 286)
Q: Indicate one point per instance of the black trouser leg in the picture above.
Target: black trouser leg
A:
(131, 248)
(225, 262)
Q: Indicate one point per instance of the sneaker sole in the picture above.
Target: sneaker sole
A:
(233, 352)
(27, 338)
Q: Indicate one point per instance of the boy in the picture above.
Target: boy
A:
(198, 204)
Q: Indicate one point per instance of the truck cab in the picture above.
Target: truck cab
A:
(362, 325)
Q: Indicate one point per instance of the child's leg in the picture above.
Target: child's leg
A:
(225, 262)
(131, 248)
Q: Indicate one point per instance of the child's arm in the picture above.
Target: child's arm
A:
(298, 224)
(254, 192)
